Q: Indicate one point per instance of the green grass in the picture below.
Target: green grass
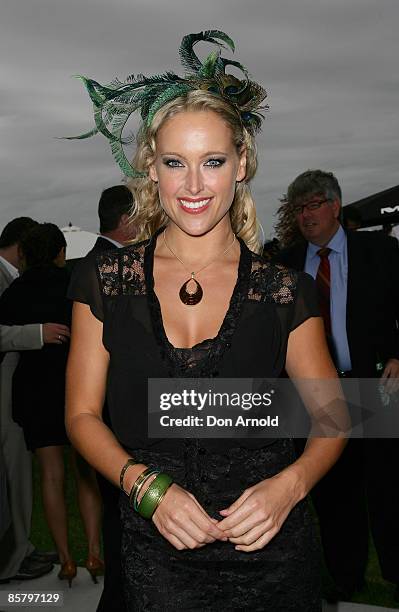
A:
(377, 591)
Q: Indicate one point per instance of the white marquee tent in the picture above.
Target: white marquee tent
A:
(79, 242)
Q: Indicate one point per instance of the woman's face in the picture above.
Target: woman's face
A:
(196, 167)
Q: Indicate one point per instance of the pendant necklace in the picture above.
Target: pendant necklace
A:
(190, 298)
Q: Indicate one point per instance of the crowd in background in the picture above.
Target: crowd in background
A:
(313, 235)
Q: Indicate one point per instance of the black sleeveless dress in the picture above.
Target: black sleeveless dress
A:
(38, 385)
(266, 304)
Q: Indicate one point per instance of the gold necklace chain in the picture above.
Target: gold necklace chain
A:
(203, 267)
(187, 296)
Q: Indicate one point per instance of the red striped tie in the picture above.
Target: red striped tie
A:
(323, 286)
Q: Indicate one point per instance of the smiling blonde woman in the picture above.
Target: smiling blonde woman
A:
(229, 526)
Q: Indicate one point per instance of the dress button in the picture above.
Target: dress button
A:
(201, 450)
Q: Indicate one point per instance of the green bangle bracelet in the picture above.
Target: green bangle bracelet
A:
(137, 482)
(127, 465)
(154, 494)
(141, 485)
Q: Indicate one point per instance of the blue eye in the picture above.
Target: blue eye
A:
(214, 163)
(173, 163)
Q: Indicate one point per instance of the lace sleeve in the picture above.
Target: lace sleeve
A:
(306, 302)
(84, 286)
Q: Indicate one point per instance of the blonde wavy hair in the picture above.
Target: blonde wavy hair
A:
(148, 213)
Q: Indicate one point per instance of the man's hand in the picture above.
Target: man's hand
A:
(55, 333)
(391, 375)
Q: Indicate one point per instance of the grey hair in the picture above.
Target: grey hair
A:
(314, 182)
(311, 182)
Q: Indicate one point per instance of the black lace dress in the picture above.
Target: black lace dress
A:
(267, 303)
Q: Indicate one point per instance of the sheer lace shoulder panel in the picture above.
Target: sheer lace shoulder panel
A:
(122, 272)
(271, 283)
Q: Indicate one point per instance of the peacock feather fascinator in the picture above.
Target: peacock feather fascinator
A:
(113, 104)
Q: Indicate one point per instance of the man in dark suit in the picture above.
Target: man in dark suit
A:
(116, 226)
(357, 274)
(116, 229)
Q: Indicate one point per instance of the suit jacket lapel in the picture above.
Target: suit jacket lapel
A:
(301, 254)
(354, 292)
(298, 257)
(293, 257)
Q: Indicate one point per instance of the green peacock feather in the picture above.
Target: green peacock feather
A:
(174, 91)
(189, 59)
(113, 104)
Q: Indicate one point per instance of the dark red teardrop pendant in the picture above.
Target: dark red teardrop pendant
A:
(191, 299)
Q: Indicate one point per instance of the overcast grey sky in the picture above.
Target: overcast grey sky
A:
(330, 68)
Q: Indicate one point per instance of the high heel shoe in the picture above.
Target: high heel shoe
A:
(95, 567)
(68, 571)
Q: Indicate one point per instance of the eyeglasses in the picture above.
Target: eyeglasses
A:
(309, 206)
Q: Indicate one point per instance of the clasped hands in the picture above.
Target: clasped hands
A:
(249, 523)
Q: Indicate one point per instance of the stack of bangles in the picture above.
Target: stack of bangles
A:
(154, 493)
